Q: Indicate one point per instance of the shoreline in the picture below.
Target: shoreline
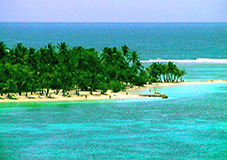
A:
(161, 84)
(85, 96)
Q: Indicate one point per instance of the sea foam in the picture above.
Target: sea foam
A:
(198, 60)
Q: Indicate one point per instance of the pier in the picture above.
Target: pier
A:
(154, 95)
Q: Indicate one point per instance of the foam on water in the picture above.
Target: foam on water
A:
(190, 124)
(197, 60)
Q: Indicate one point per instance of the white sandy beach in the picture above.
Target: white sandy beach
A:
(85, 95)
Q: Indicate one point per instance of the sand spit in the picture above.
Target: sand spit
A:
(84, 95)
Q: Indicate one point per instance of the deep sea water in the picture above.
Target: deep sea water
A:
(150, 40)
(191, 124)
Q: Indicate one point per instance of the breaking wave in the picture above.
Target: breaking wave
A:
(197, 60)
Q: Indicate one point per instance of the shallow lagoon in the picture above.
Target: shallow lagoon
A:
(190, 124)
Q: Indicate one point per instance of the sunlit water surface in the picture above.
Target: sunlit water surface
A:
(190, 124)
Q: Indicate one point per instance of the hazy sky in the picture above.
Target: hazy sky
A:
(113, 10)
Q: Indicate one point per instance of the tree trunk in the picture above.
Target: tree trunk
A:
(19, 93)
(164, 78)
(77, 91)
(47, 92)
(167, 78)
(91, 90)
(57, 91)
(171, 78)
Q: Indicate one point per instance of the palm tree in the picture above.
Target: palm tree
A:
(133, 57)
(94, 69)
(136, 65)
(181, 74)
(23, 69)
(87, 69)
(32, 57)
(3, 77)
(47, 67)
(18, 54)
(169, 71)
(63, 52)
(164, 71)
(63, 67)
(20, 75)
(125, 51)
(153, 72)
(3, 50)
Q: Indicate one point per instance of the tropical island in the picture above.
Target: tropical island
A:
(54, 71)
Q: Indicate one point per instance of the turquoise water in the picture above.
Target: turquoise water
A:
(204, 72)
(190, 124)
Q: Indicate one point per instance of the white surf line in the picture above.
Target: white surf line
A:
(198, 60)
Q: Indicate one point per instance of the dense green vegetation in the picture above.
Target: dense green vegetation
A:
(164, 72)
(59, 67)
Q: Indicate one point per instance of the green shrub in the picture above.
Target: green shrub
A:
(116, 86)
(103, 87)
(153, 79)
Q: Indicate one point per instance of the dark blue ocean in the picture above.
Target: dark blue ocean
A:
(150, 40)
(190, 124)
